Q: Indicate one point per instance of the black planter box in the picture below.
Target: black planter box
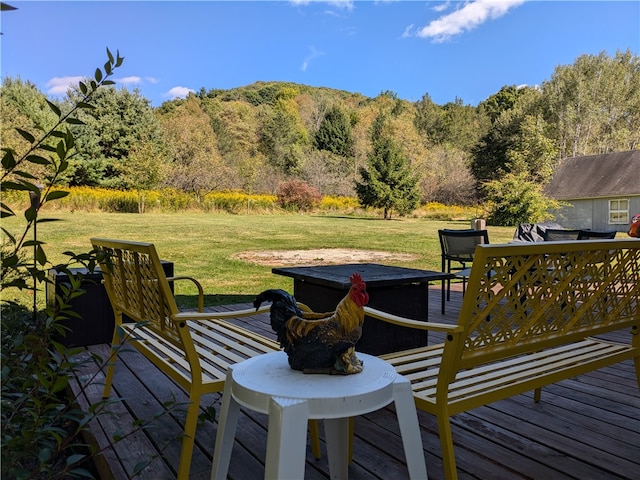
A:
(97, 322)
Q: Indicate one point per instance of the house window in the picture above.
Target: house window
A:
(619, 211)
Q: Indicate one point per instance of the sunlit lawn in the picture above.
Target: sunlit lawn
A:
(203, 245)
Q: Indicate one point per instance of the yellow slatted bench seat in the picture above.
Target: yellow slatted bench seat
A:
(194, 349)
(531, 316)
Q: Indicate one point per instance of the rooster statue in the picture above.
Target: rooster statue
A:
(319, 342)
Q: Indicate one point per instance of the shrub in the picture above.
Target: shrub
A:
(515, 199)
(298, 196)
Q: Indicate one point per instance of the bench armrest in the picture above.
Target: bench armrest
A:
(407, 322)
(198, 286)
(247, 312)
(199, 316)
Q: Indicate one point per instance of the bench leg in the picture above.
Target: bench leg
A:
(111, 364)
(409, 428)
(314, 432)
(537, 393)
(189, 435)
(287, 438)
(446, 444)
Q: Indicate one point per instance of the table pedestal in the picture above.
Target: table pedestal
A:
(268, 385)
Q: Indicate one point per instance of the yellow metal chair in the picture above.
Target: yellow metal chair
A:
(194, 349)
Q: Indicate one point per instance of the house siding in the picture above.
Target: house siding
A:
(586, 184)
(593, 214)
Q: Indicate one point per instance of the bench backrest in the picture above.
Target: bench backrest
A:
(527, 297)
(137, 285)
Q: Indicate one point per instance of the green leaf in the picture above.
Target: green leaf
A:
(30, 214)
(85, 105)
(38, 159)
(83, 88)
(26, 135)
(10, 260)
(44, 455)
(22, 174)
(62, 381)
(61, 150)
(108, 82)
(109, 55)
(13, 186)
(54, 108)
(48, 148)
(73, 459)
(55, 194)
(6, 209)
(81, 472)
(8, 160)
(98, 75)
(74, 121)
(140, 466)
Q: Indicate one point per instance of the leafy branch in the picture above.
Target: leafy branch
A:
(51, 150)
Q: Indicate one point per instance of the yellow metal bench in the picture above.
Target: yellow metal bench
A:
(531, 317)
(194, 349)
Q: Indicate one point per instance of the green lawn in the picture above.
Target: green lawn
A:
(203, 245)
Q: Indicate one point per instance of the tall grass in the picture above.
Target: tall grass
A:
(205, 245)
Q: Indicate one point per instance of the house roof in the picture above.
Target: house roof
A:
(594, 176)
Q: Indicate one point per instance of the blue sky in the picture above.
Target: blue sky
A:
(446, 49)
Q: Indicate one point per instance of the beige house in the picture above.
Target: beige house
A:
(600, 192)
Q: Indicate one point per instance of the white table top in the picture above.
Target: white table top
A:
(330, 396)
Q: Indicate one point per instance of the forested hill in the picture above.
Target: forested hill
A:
(254, 137)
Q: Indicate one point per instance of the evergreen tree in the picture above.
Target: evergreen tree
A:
(120, 121)
(334, 134)
(388, 182)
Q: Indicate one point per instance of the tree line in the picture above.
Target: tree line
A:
(390, 152)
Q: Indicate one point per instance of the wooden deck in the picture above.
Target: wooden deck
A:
(584, 428)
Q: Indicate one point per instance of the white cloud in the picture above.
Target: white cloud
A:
(466, 18)
(315, 53)
(408, 32)
(178, 92)
(341, 4)
(442, 7)
(129, 80)
(134, 79)
(60, 85)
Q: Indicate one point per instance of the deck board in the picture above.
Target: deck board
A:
(586, 427)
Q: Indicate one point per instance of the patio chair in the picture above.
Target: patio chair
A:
(555, 235)
(590, 234)
(459, 246)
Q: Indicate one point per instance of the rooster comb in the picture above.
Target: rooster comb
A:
(356, 279)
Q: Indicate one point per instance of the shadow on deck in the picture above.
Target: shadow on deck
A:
(583, 428)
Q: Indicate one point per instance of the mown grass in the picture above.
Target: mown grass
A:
(203, 245)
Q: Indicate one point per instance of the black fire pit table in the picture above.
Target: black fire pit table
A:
(396, 290)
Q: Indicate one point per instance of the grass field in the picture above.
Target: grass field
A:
(203, 245)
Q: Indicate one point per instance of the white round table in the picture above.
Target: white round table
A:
(291, 398)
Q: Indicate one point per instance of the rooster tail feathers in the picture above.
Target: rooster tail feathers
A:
(281, 297)
(283, 307)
